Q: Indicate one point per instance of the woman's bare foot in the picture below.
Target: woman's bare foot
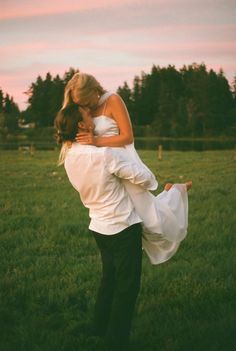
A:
(168, 186)
(189, 185)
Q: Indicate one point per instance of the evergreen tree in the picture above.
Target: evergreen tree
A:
(1, 101)
(220, 102)
(46, 97)
(126, 94)
(234, 87)
(195, 79)
(232, 113)
(40, 101)
(69, 74)
(136, 97)
(150, 92)
(35, 101)
(170, 90)
(11, 114)
(2, 118)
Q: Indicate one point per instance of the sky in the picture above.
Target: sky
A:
(112, 40)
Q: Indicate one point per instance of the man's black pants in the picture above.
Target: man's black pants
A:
(121, 256)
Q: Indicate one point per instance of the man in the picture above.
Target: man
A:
(96, 174)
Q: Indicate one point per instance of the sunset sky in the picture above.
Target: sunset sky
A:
(113, 40)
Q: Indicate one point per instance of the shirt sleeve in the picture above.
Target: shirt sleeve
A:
(120, 164)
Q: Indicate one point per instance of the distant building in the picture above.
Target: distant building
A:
(26, 125)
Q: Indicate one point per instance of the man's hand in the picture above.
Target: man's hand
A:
(86, 138)
(85, 129)
(87, 117)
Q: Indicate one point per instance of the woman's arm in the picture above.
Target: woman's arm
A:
(117, 110)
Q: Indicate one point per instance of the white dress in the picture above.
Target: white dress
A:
(165, 216)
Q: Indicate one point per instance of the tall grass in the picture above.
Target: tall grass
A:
(50, 266)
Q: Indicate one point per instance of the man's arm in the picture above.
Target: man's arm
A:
(120, 164)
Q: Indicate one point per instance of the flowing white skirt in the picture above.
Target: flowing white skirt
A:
(165, 216)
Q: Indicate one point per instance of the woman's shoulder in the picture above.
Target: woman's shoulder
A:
(114, 98)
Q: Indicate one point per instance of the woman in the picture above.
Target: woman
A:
(165, 217)
(84, 90)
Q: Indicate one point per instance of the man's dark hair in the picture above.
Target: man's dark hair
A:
(66, 123)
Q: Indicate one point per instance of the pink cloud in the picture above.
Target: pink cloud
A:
(8, 51)
(32, 49)
(176, 32)
(170, 47)
(27, 8)
(146, 48)
(44, 45)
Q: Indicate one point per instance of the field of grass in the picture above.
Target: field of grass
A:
(50, 266)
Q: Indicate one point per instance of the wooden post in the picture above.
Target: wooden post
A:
(32, 149)
(160, 152)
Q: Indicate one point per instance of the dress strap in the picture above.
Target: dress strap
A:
(104, 98)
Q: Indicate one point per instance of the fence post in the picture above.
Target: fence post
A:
(160, 152)
(32, 149)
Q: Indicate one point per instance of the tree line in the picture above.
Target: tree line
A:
(9, 113)
(45, 98)
(191, 101)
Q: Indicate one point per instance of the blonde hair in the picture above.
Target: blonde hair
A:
(81, 87)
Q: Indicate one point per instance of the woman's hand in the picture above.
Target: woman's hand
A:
(86, 138)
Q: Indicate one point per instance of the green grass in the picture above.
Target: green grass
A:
(50, 266)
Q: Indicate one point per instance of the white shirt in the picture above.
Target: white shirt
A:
(95, 173)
